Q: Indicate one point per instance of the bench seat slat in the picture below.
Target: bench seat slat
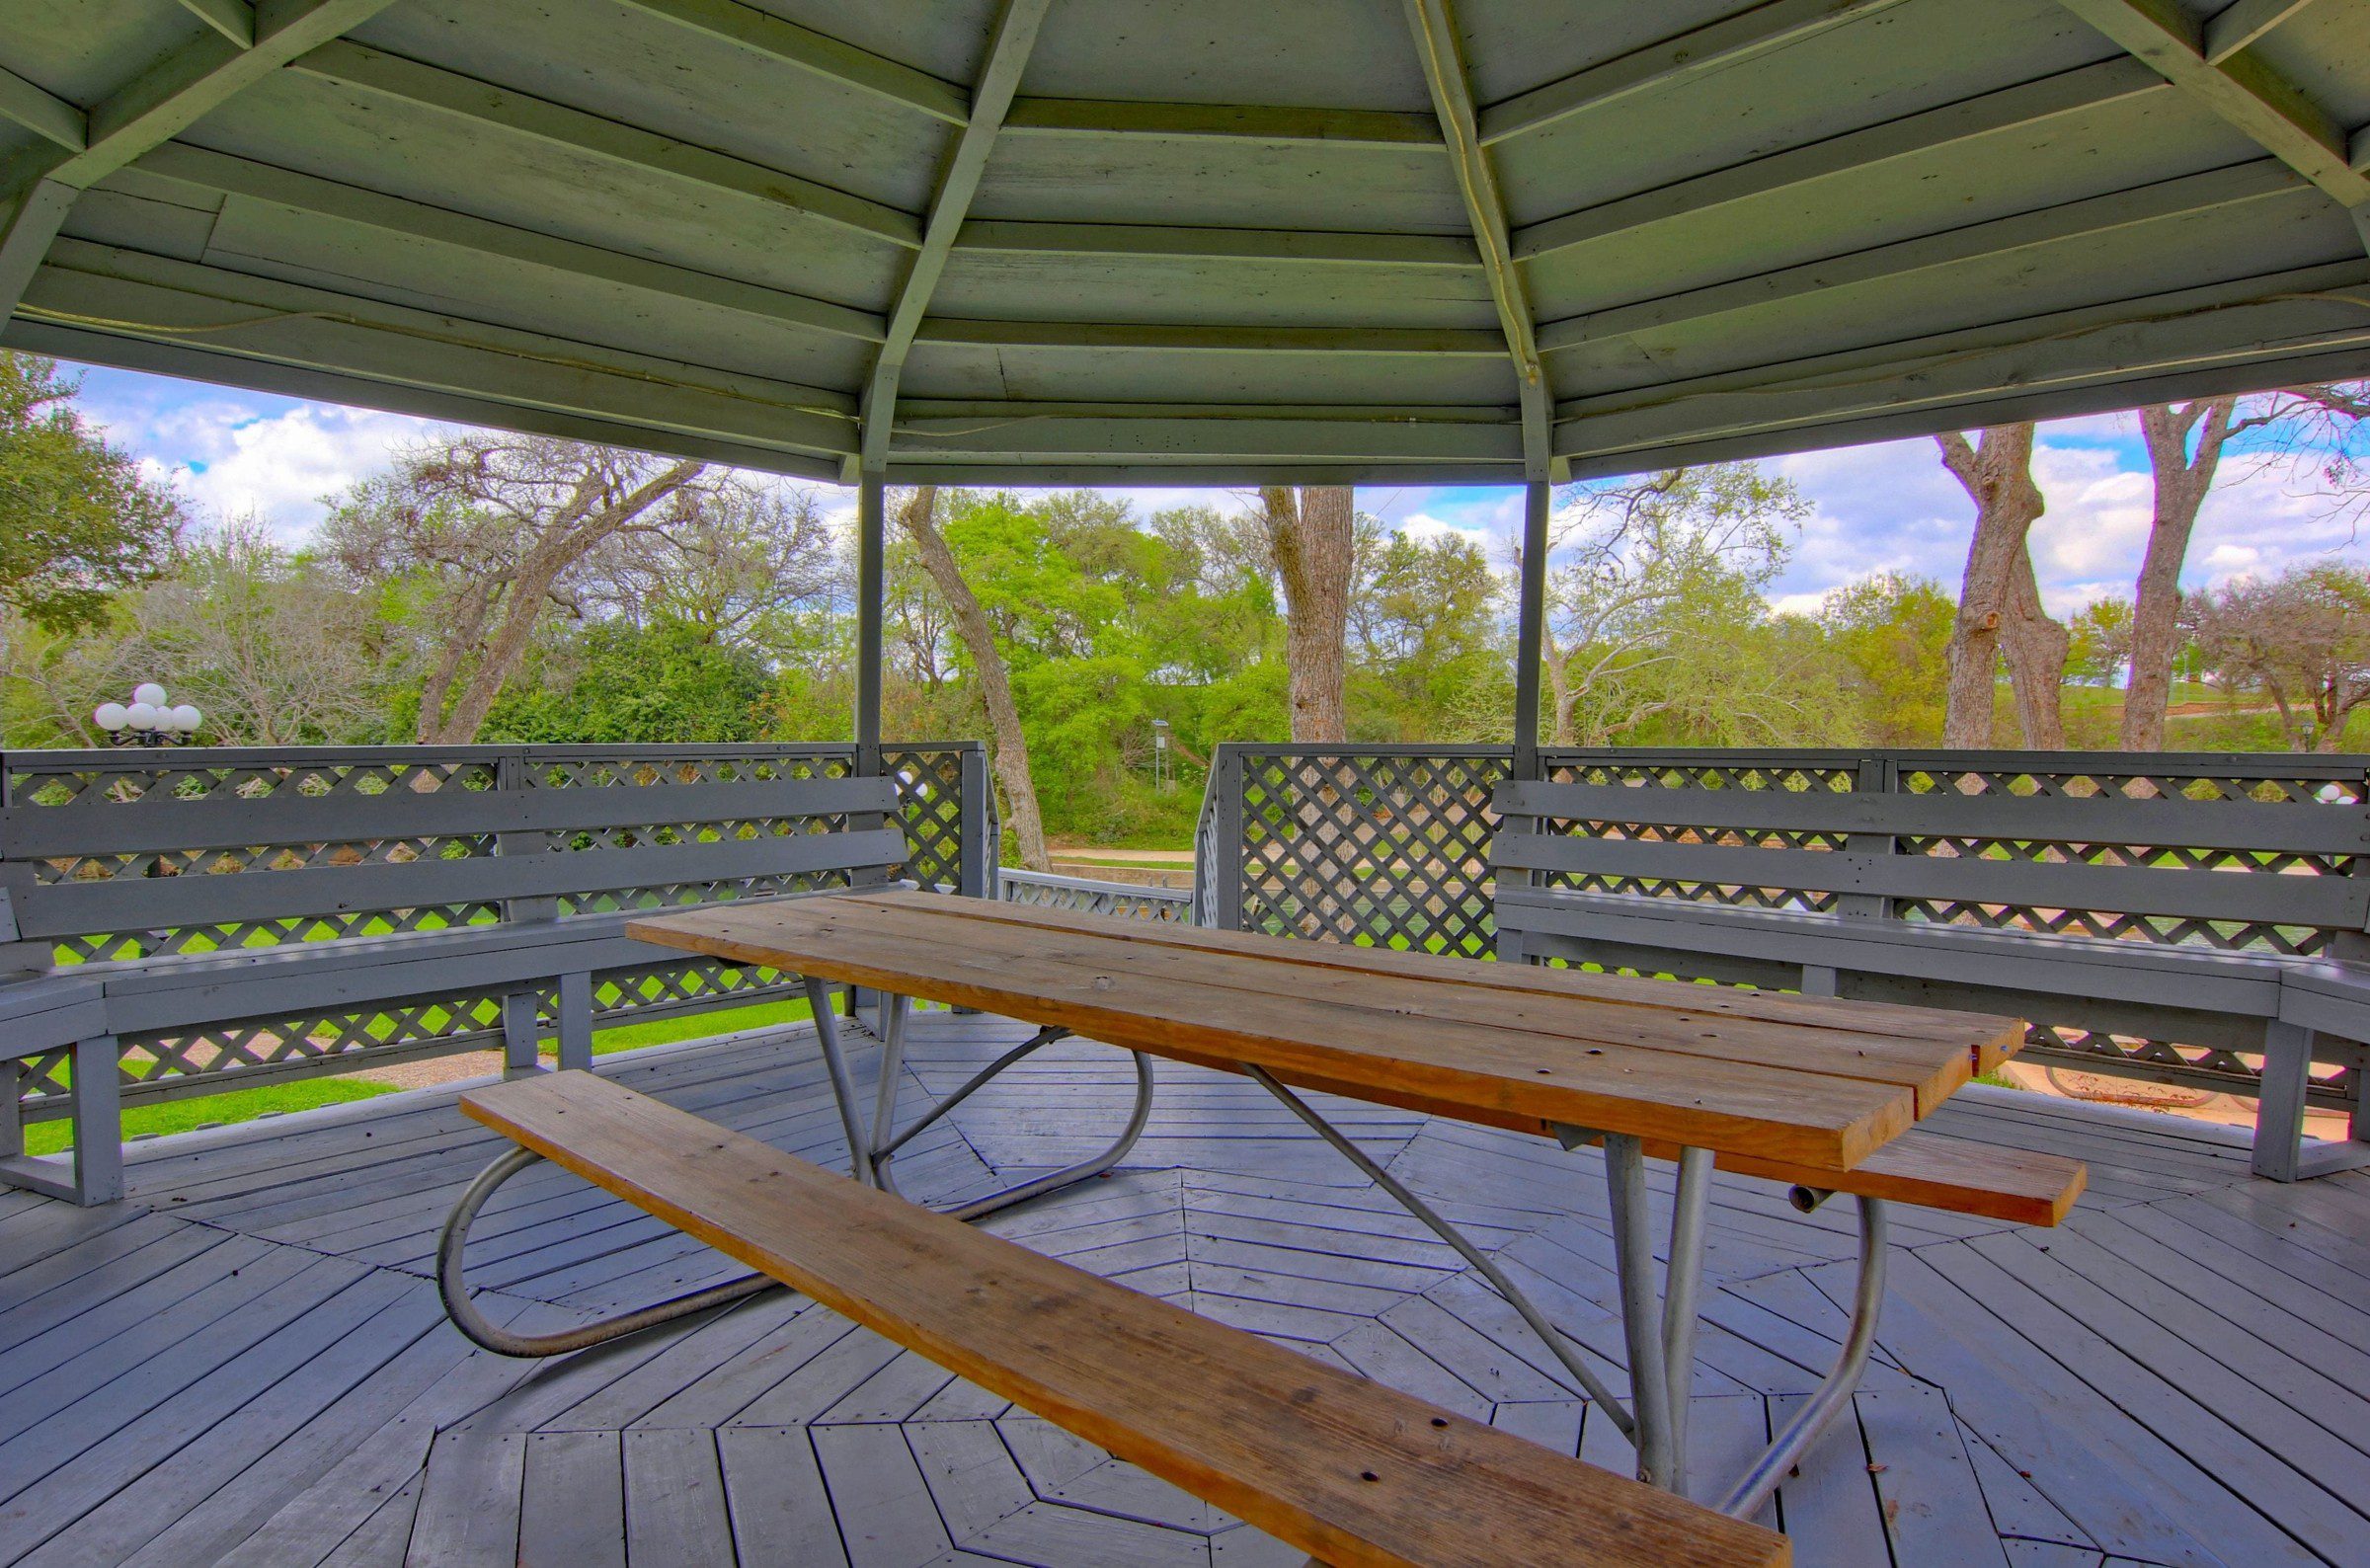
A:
(1337, 1465)
(140, 902)
(2333, 901)
(106, 827)
(2294, 828)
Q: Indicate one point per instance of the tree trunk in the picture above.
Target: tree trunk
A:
(2181, 484)
(1008, 748)
(1311, 538)
(522, 603)
(1999, 609)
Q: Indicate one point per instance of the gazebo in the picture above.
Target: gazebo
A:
(1144, 242)
(1115, 241)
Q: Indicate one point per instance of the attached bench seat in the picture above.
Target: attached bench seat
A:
(1338, 1467)
(530, 852)
(2295, 1012)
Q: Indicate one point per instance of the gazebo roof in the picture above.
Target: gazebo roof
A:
(1219, 241)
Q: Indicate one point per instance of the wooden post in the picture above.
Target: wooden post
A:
(1226, 838)
(976, 867)
(98, 1121)
(1529, 635)
(522, 1028)
(872, 527)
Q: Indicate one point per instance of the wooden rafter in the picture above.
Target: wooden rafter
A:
(233, 19)
(2099, 214)
(525, 116)
(146, 111)
(2239, 86)
(203, 170)
(1312, 246)
(1442, 61)
(1683, 58)
(2072, 92)
(816, 54)
(1328, 127)
(999, 80)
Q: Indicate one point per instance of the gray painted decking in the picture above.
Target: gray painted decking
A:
(247, 1362)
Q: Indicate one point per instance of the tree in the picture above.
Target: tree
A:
(622, 681)
(1999, 601)
(2302, 639)
(739, 565)
(490, 525)
(78, 520)
(1426, 635)
(2099, 642)
(1627, 560)
(1894, 634)
(1311, 534)
(1008, 740)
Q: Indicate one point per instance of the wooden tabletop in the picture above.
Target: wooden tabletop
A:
(1806, 1080)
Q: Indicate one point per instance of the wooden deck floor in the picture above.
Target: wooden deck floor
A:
(247, 1363)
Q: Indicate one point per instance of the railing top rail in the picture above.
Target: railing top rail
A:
(200, 756)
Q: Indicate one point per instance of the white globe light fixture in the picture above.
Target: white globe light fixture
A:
(151, 718)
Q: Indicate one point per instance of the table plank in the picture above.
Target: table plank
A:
(1992, 1039)
(1933, 1070)
(1346, 1468)
(1778, 1113)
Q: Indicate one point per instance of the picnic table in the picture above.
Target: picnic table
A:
(1810, 1091)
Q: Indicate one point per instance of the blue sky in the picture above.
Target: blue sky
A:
(1889, 507)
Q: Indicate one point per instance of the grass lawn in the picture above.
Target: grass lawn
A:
(303, 1094)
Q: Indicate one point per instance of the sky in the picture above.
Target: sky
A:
(1888, 507)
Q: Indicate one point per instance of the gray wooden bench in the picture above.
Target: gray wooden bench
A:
(1332, 1464)
(1837, 893)
(551, 874)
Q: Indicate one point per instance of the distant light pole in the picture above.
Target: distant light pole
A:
(1165, 773)
(149, 719)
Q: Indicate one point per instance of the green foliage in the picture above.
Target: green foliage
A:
(1893, 632)
(78, 522)
(612, 682)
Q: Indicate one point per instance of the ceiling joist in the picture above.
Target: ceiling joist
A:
(233, 19)
(223, 174)
(147, 112)
(1008, 49)
(2072, 92)
(816, 54)
(1441, 59)
(1154, 241)
(2243, 24)
(2000, 237)
(520, 115)
(44, 113)
(1328, 127)
(1422, 343)
(2241, 88)
(1681, 58)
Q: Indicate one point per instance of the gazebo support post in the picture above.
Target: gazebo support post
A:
(872, 537)
(1530, 632)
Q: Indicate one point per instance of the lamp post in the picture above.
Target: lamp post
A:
(149, 719)
(1164, 777)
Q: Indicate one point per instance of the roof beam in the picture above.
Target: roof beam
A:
(2101, 214)
(43, 113)
(1441, 59)
(233, 19)
(2188, 331)
(2242, 88)
(1428, 343)
(1008, 49)
(159, 299)
(147, 112)
(1311, 246)
(2243, 24)
(1685, 56)
(2072, 92)
(816, 54)
(1331, 128)
(223, 174)
(517, 114)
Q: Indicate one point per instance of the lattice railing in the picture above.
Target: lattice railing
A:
(948, 818)
(1125, 900)
(1382, 845)
(1389, 845)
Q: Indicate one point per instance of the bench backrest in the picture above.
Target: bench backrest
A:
(364, 853)
(2229, 872)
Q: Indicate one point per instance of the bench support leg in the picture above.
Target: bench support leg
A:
(454, 1240)
(835, 1063)
(522, 1035)
(1650, 1392)
(98, 1168)
(576, 1021)
(2280, 1154)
